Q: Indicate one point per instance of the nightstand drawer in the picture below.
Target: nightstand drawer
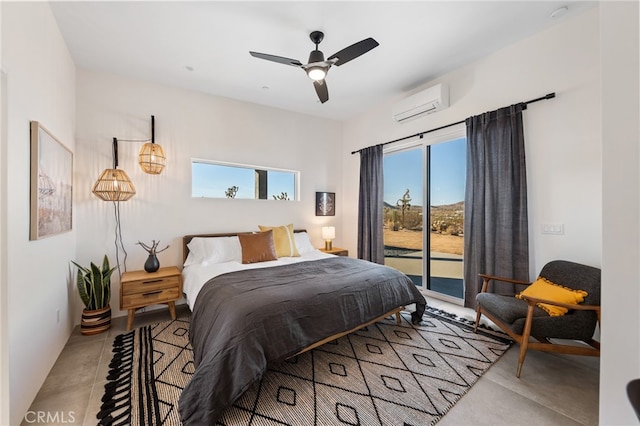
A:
(151, 284)
(150, 297)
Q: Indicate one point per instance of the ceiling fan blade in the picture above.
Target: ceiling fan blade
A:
(278, 59)
(322, 90)
(353, 51)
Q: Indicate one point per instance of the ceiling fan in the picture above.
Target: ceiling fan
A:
(317, 67)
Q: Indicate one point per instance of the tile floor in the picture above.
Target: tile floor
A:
(553, 389)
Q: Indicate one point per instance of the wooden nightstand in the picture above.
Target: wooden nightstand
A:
(139, 289)
(337, 251)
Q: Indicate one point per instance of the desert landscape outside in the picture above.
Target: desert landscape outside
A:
(404, 223)
(404, 246)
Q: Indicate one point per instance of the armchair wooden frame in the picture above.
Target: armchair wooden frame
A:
(543, 343)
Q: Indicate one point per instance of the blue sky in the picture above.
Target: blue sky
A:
(403, 170)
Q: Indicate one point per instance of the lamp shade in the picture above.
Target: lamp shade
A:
(113, 185)
(152, 158)
(328, 232)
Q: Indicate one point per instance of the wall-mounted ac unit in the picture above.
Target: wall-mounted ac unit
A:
(425, 102)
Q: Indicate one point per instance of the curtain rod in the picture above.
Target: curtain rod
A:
(542, 98)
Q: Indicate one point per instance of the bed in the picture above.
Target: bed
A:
(246, 315)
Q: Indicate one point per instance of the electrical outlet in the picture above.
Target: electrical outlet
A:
(553, 228)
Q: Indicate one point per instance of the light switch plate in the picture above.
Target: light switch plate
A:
(553, 228)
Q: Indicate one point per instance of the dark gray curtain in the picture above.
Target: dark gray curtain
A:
(496, 239)
(370, 238)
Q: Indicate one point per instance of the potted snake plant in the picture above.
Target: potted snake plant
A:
(94, 288)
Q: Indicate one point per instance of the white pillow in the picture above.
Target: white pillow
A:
(222, 249)
(303, 243)
(196, 252)
(213, 250)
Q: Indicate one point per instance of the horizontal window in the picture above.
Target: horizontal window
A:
(228, 180)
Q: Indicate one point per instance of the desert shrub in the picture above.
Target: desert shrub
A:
(454, 230)
(412, 220)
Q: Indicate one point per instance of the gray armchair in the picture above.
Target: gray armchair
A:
(522, 319)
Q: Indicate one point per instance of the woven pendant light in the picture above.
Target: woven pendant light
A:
(114, 184)
(151, 157)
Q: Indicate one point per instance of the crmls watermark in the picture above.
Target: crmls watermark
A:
(57, 417)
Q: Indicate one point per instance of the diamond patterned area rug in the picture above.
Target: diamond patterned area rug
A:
(384, 374)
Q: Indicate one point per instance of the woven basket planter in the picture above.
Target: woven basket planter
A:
(97, 321)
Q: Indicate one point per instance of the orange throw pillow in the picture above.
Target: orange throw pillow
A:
(257, 247)
(545, 289)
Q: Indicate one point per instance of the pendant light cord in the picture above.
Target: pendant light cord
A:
(118, 238)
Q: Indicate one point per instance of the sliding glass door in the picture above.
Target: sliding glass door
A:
(424, 213)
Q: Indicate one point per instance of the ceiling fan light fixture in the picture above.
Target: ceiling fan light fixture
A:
(316, 73)
(317, 68)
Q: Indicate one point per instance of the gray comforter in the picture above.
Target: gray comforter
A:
(243, 320)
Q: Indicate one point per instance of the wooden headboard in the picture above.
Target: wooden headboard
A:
(187, 239)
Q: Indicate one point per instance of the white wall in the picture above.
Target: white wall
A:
(40, 86)
(619, 41)
(562, 135)
(4, 291)
(190, 125)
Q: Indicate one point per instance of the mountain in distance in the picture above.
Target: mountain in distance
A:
(455, 206)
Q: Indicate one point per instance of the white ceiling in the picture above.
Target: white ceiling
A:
(419, 40)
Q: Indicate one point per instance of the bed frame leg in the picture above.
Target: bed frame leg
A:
(398, 318)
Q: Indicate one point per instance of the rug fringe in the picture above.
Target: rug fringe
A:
(457, 318)
(492, 332)
(117, 391)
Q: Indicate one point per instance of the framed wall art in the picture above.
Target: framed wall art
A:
(325, 203)
(51, 184)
